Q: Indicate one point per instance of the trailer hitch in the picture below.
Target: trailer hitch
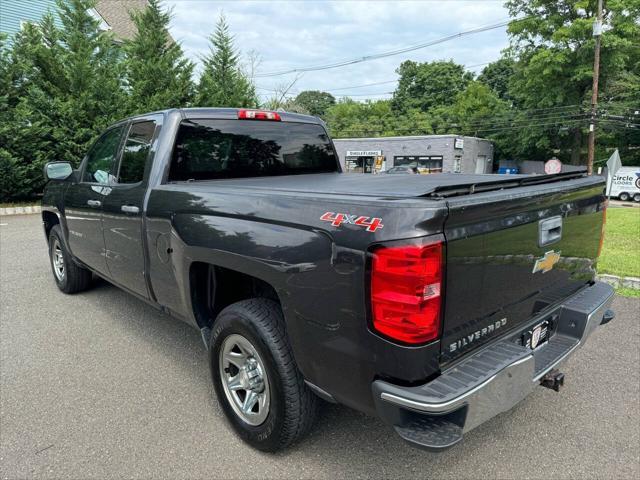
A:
(554, 379)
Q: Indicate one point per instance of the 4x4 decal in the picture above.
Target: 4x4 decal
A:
(337, 219)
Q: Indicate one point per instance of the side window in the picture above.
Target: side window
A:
(101, 157)
(136, 151)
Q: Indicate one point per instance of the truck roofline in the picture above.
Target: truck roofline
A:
(220, 113)
(232, 114)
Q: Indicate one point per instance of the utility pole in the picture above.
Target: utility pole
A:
(597, 33)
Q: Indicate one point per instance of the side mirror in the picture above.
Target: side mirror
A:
(57, 170)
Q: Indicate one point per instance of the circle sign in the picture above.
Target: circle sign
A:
(553, 166)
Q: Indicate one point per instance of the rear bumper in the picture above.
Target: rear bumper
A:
(491, 381)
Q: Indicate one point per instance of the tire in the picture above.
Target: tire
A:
(624, 196)
(290, 406)
(636, 197)
(68, 275)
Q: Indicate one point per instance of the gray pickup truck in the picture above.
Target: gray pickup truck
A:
(434, 302)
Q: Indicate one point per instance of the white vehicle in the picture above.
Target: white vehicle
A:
(625, 184)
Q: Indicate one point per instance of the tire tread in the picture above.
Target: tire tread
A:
(301, 402)
(78, 278)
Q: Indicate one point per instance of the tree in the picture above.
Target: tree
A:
(476, 110)
(157, 72)
(63, 85)
(497, 76)
(349, 118)
(25, 131)
(554, 48)
(315, 102)
(9, 174)
(223, 83)
(427, 85)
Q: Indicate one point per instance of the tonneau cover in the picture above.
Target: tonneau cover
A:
(404, 186)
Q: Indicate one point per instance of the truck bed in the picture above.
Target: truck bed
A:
(400, 186)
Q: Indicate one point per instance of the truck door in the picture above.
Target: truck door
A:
(84, 201)
(123, 208)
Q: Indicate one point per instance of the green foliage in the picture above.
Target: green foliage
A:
(424, 86)
(496, 76)
(472, 112)
(315, 102)
(158, 75)
(554, 47)
(289, 105)
(63, 86)
(223, 84)
(348, 118)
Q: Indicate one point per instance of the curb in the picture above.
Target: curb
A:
(620, 282)
(28, 210)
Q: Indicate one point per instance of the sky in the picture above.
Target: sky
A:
(295, 33)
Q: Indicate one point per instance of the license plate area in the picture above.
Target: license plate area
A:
(538, 334)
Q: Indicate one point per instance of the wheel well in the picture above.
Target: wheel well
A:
(213, 288)
(49, 219)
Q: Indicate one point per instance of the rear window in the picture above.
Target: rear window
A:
(212, 149)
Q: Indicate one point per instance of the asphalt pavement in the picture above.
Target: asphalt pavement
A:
(99, 385)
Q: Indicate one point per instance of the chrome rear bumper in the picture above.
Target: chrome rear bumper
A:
(489, 382)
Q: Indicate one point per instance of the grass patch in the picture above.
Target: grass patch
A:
(621, 250)
(628, 292)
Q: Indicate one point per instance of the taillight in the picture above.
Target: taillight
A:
(258, 115)
(406, 283)
(604, 221)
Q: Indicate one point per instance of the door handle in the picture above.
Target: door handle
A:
(94, 203)
(130, 209)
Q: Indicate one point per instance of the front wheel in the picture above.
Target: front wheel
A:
(257, 382)
(624, 196)
(636, 197)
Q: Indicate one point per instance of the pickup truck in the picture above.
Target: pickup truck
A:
(434, 302)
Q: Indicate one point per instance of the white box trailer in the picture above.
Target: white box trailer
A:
(625, 184)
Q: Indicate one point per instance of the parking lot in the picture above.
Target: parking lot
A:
(99, 385)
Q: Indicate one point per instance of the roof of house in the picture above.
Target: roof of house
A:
(116, 14)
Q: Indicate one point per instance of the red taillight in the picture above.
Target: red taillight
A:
(604, 221)
(258, 115)
(406, 282)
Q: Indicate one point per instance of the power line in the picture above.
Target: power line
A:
(566, 123)
(362, 86)
(453, 126)
(384, 82)
(390, 53)
(364, 94)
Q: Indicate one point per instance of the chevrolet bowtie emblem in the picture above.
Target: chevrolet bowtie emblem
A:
(547, 262)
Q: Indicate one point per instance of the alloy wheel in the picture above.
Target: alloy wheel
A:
(57, 259)
(244, 379)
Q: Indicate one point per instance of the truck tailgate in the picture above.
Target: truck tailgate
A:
(512, 253)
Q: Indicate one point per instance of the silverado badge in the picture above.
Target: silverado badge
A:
(546, 262)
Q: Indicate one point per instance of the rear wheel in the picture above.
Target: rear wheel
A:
(68, 275)
(257, 382)
(624, 196)
(636, 197)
